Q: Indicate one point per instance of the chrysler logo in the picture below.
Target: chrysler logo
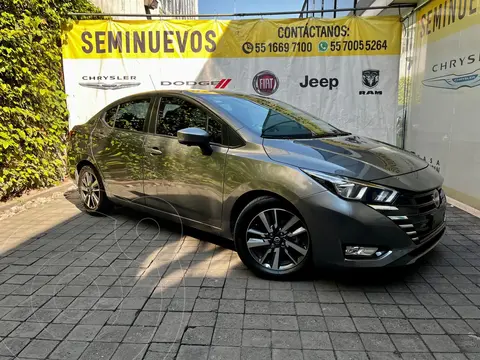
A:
(370, 78)
(108, 86)
(454, 82)
(436, 198)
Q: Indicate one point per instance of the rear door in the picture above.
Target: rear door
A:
(118, 147)
(180, 179)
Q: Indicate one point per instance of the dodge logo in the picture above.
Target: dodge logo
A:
(265, 83)
(219, 84)
(370, 78)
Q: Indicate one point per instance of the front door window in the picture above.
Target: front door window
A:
(177, 114)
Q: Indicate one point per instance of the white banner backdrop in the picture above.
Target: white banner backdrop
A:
(350, 81)
(443, 124)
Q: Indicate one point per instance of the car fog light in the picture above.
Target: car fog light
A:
(360, 251)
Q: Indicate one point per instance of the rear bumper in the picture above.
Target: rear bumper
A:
(334, 223)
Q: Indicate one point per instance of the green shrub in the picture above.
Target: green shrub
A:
(33, 113)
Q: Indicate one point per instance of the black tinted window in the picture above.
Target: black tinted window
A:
(131, 115)
(110, 116)
(234, 139)
(177, 114)
(214, 129)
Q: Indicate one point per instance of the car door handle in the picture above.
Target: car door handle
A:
(102, 134)
(155, 151)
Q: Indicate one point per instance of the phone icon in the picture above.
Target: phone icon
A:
(323, 46)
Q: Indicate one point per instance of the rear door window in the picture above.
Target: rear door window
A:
(132, 115)
(109, 117)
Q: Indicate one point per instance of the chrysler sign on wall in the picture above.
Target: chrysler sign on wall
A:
(311, 63)
(443, 122)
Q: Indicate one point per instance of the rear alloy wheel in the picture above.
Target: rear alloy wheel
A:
(271, 239)
(92, 192)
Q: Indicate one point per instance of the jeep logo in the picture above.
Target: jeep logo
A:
(331, 83)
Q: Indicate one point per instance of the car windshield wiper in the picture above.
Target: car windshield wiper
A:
(312, 135)
(303, 136)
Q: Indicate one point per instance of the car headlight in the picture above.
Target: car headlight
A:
(354, 189)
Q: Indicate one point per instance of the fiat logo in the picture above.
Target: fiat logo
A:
(436, 198)
(265, 83)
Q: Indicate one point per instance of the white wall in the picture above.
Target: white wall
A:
(179, 6)
(443, 123)
(120, 6)
(176, 7)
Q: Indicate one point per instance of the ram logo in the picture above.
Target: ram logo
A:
(370, 78)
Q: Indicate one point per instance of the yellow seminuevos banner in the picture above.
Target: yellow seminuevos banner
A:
(343, 70)
(441, 18)
(104, 39)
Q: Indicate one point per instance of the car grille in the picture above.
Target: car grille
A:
(417, 214)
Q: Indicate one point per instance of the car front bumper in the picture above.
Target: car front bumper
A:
(334, 223)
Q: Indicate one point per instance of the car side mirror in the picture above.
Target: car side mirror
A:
(195, 137)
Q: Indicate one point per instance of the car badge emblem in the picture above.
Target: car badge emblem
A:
(109, 86)
(265, 83)
(454, 82)
(370, 78)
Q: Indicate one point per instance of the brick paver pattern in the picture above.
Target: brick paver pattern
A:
(126, 286)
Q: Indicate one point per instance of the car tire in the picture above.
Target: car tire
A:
(92, 192)
(283, 255)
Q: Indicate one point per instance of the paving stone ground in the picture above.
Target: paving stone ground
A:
(73, 286)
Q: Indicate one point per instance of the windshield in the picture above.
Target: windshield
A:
(271, 118)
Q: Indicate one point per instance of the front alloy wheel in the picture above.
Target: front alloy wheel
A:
(271, 239)
(277, 239)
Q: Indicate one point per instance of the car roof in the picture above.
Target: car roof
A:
(190, 92)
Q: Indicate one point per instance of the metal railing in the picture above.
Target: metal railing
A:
(394, 6)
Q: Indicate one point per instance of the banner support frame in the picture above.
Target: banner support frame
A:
(395, 6)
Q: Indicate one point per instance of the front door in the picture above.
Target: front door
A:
(180, 179)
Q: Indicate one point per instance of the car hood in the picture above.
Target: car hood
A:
(352, 156)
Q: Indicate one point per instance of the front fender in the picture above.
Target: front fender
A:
(245, 174)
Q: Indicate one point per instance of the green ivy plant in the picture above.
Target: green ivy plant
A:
(33, 112)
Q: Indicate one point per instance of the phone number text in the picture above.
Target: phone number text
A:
(349, 45)
(279, 47)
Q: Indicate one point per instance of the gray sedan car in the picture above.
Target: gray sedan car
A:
(288, 188)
